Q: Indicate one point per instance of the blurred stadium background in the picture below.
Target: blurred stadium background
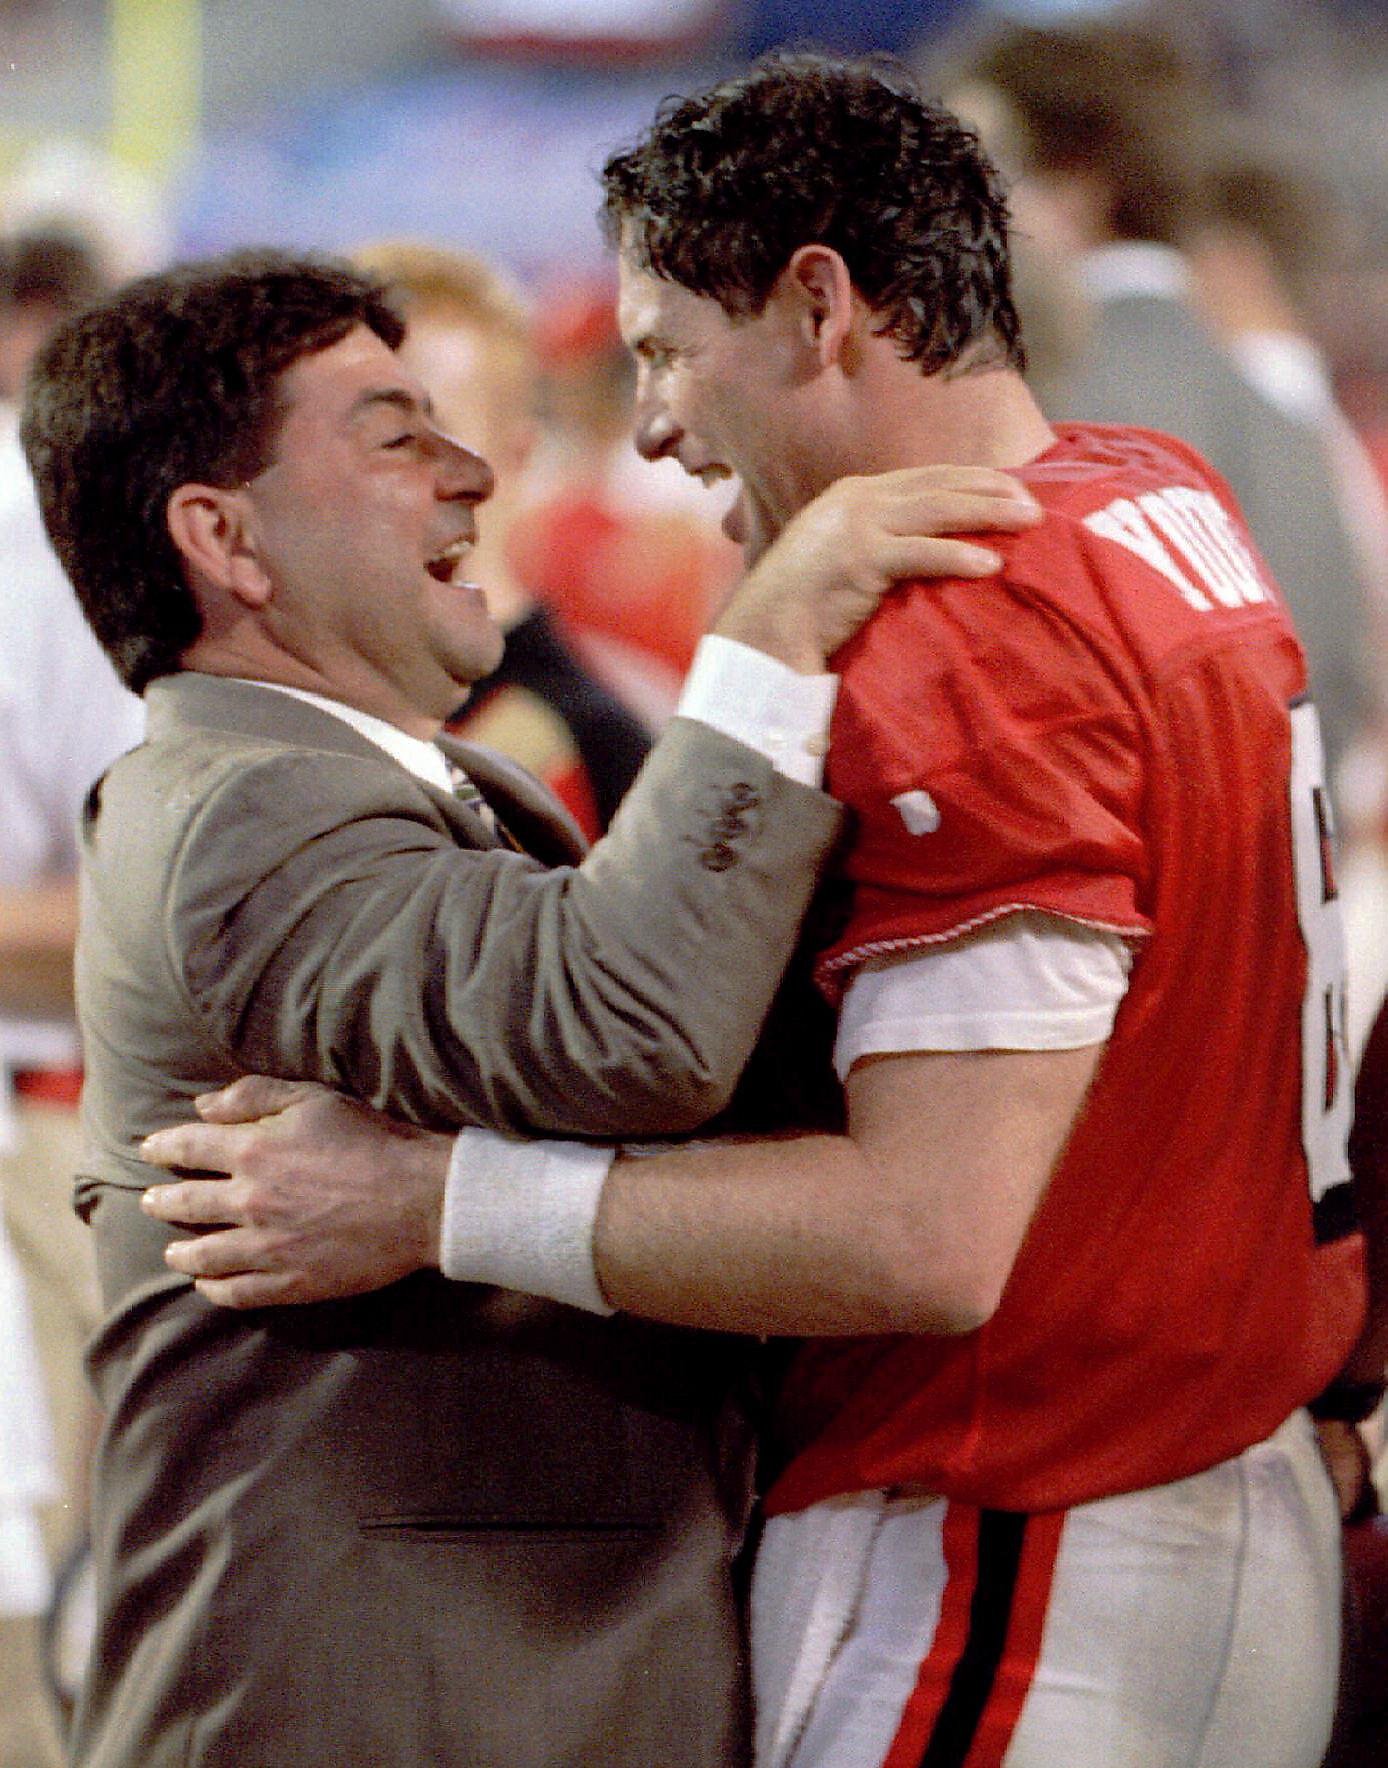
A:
(320, 122)
(192, 125)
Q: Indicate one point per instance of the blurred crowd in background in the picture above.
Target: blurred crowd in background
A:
(1201, 200)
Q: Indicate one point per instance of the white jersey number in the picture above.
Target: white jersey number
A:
(1325, 1068)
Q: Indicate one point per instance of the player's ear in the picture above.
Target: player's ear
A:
(817, 280)
(211, 527)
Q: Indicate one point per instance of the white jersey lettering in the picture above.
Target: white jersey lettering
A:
(1124, 522)
(1179, 524)
(1327, 1073)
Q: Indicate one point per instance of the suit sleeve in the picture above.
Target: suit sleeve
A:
(358, 945)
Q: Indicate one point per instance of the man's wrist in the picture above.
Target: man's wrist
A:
(791, 653)
(521, 1214)
(757, 700)
(421, 1189)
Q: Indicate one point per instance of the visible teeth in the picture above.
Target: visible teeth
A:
(444, 563)
(712, 475)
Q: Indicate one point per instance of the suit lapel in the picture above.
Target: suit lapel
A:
(190, 700)
(526, 809)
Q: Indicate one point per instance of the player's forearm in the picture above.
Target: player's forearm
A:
(908, 1223)
(911, 1222)
(798, 1235)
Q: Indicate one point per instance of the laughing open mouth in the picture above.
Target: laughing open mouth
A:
(446, 566)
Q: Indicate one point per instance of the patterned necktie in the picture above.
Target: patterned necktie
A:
(468, 794)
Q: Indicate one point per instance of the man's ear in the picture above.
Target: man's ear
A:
(817, 280)
(210, 526)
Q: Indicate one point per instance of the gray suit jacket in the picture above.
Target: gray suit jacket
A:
(1152, 362)
(440, 1524)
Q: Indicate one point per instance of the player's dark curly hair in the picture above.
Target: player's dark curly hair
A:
(805, 149)
(172, 380)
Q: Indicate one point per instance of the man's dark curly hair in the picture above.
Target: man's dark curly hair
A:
(809, 150)
(172, 380)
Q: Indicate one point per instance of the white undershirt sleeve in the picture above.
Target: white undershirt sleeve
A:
(1028, 981)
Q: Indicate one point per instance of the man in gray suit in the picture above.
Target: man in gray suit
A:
(439, 1524)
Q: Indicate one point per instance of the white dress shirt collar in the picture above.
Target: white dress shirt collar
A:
(426, 761)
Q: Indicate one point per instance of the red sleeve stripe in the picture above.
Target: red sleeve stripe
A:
(855, 955)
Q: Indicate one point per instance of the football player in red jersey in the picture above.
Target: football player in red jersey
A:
(1083, 1251)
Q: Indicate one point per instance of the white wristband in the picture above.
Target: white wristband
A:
(521, 1215)
(762, 702)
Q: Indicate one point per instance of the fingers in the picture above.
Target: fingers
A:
(964, 513)
(195, 1203)
(252, 1289)
(229, 1253)
(252, 1096)
(240, 1267)
(199, 1147)
(931, 500)
(1347, 1459)
(910, 556)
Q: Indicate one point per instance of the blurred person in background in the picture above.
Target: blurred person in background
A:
(470, 341)
(633, 559)
(27, 1481)
(63, 717)
(1271, 227)
(44, 276)
(1104, 128)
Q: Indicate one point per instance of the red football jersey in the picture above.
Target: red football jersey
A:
(1115, 732)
